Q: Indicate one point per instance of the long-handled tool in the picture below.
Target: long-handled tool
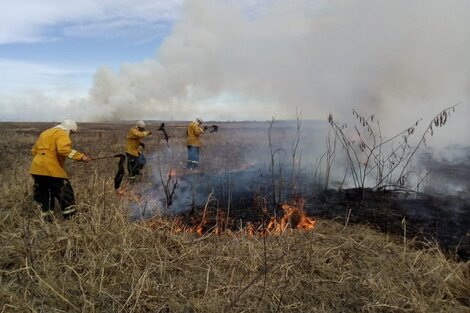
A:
(118, 155)
(120, 171)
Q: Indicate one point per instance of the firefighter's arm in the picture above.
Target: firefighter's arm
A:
(196, 130)
(135, 133)
(64, 148)
(34, 150)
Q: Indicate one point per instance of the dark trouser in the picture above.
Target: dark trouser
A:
(193, 156)
(47, 189)
(135, 164)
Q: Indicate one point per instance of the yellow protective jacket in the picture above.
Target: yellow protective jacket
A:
(134, 137)
(193, 133)
(50, 151)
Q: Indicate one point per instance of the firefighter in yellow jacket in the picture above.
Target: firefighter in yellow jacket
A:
(135, 157)
(193, 132)
(47, 168)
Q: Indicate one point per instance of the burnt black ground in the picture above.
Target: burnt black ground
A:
(444, 219)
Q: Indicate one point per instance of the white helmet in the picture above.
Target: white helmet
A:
(69, 125)
(199, 120)
(140, 124)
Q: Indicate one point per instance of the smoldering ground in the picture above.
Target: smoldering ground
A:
(245, 163)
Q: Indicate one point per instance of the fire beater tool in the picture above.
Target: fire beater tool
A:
(162, 129)
(120, 172)
(214, 129)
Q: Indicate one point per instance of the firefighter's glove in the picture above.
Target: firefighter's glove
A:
(205, 128)
(86, 159)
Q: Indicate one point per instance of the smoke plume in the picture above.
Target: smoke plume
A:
(397, 59)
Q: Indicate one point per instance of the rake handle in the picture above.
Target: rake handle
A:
(107, 157)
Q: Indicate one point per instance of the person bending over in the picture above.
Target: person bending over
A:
(51, 182)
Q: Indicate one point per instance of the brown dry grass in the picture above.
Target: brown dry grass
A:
(102, 262)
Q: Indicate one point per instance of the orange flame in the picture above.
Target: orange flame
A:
(250, 229)
(199, 229)
(297, 218)
(294, 218)
(120, 192)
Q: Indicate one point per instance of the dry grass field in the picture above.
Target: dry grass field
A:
(102, 261)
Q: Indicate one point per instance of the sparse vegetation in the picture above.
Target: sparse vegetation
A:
(102, 262)
(378, 162)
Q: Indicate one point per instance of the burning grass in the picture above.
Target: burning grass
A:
(102, 262)
(201, 223)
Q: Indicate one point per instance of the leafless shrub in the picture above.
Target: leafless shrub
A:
(387, 160)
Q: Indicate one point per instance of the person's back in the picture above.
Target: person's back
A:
(51, 149)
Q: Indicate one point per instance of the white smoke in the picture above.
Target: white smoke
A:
(398, 59)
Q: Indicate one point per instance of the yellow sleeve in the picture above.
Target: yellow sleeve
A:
(200, 130)
(34, 150)
(64, 148)
(135, 134)
(195, 130)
